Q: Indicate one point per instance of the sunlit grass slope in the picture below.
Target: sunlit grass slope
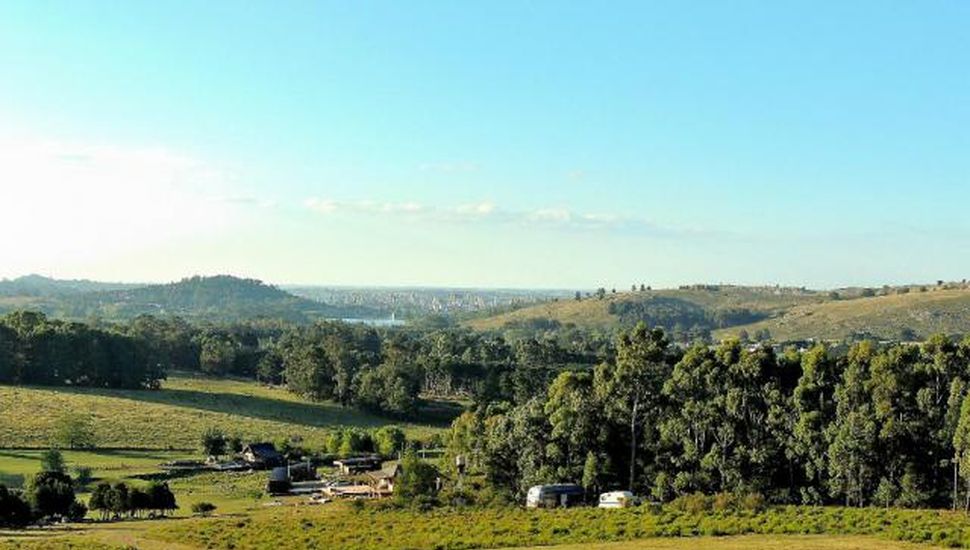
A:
(175, 416)
(887, 317)
(594, 313)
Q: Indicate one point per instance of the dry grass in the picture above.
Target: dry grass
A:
(593, 313)
(925, 313)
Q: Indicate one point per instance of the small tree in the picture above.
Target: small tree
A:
(591, 473)
(162, 498)
(101, 499)
(74, 431)
(139, 501)
(50, 494)
(118, 500)
(52, 461)
(82, 475)
(417, 482)
(213, 442)
(389, 440)
(14, 510)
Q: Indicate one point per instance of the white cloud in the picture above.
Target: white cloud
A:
(489, 212)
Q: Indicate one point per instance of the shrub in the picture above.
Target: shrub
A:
(14, 510)
(77, 510)
(203, 508)
(692, 504)
(723, 502)
(754, 502)
(82, 475)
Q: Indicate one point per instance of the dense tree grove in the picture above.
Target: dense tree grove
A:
(38, 350)
(119, 500)
(884, 425)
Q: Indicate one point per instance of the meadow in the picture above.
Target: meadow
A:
(917, 314)
(789, 317)
(375, 527)
(173, 417)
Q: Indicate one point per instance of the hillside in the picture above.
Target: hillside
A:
(708, 307)
(219, 298)
(40, 286)
(175, 416)
(910, 316)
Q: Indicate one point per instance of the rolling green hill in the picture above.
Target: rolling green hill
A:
(903, 313)
(709, 307)
(910, 316)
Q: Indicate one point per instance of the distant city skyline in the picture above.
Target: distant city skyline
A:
(490, 145)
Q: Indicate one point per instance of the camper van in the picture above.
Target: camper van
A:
(616, 499)
(554, 496)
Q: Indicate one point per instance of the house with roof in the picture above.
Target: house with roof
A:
(382, 481)
(356, 465)
(262, 456)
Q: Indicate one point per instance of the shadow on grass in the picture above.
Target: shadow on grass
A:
(316, 415)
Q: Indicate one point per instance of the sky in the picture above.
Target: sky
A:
(490, 144)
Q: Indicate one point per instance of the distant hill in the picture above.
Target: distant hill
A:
(910, 316)
(903, 313)
(40, 286)
(219, 298)
(692, 308)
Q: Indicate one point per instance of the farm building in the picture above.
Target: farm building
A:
(262, 455)
(350, 466)
(383, 480)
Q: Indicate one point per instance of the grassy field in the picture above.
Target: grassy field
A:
(337, 526)
(17, 464)
(924, 313)
(174, 417)
(748, 542)
(593, 313)
(790, 316)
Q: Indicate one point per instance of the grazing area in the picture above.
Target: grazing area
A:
(173, 417)
(343, 527)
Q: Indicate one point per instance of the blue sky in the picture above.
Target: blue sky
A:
(552, 144)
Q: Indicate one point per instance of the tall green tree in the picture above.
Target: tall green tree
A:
(630, 388)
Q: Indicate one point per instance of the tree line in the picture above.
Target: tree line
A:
(871, 425)
(42, 351)
(382, 370)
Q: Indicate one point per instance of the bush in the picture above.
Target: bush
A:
(723, 502)
(14, 509)
(82, 475)
(692, 504)
(77, 510)
(754, 502)
(203, 508)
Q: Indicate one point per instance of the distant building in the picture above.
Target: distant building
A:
(383, 480)
(262, 455)
(356, 465)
